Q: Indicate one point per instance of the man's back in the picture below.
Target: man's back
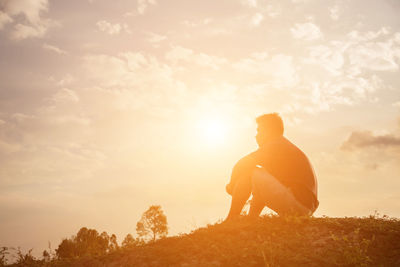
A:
(291, 167)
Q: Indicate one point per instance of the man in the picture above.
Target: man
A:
(278, 174)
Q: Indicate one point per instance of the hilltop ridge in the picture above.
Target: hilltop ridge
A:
(268, 241)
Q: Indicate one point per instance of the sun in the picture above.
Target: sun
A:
(212, 131)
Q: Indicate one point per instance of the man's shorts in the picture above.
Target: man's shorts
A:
(269, 191)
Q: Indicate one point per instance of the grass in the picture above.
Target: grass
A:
(268, 241)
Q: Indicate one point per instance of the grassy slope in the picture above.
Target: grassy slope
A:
(270, 241)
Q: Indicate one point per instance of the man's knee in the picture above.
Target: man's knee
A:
(259, 177)
(259, 182)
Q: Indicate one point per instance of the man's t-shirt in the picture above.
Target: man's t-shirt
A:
(291, 167)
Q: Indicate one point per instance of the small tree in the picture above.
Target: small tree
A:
(46, 256)
(67, 249)
(129, 242)
(113, 243)
(153, 224)
(87, 242)
(4, 251)
(26, 259)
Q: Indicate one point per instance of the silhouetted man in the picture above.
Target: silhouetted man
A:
(278, 174)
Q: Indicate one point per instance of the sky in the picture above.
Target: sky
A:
(108, 107)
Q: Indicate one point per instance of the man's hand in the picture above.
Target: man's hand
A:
(229, 189)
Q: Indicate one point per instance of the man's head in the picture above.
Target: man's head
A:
(269, 126)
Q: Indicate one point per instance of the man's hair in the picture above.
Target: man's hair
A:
(271, 122)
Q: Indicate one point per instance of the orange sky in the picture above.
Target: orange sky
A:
(108, 108)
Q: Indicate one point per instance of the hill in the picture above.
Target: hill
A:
(268, 241)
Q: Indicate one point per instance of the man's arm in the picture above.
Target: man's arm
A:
(240, 185)
(242, 170)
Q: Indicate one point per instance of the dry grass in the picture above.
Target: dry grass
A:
(268, 241)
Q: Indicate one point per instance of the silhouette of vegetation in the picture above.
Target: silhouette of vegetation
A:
(46, 256)
(130, 242)
(267, 241)
(153, 224)
(3, 256)
(26, 259)
(87, 242)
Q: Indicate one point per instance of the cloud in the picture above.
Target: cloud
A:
(22, 31)
(373, 50)
(257, 19)
(181, 54)
(4, 19)
(65, 80)
(348, 91)
(273, 11)
(300, 1)
(334, 12)
(197, 23)
(249, 3)
(30, 9)
(8, 148)
(66, 95)
(378, 56)
(342, 71)
(206, 60)
(34, 26)
(54, 49)
(329, 58)
(112, 29)
(133, 80)
(357, 36)
(155, 39)
(307, 31)
(106, 69)
(142, 5)
(278, 70)
(366, 139)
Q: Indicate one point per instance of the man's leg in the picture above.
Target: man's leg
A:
(257, 187)
(256, 207)
(240, 195)
(267, 190)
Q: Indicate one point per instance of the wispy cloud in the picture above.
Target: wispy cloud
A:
(366, 139)
(330, 58)
(65, 95)
(54, 49)
(33, 25)
(155, 38)
(178, 53)
(278, 68)
(4, 19)
(379, 56)
(142, 5)
(249, 3)
(307, 31)
(112, 29)
(257, 19)
(334, 12)
(30, 9)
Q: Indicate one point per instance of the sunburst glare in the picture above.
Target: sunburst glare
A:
(212, 131)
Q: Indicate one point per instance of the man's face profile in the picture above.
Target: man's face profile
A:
(260, 136)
